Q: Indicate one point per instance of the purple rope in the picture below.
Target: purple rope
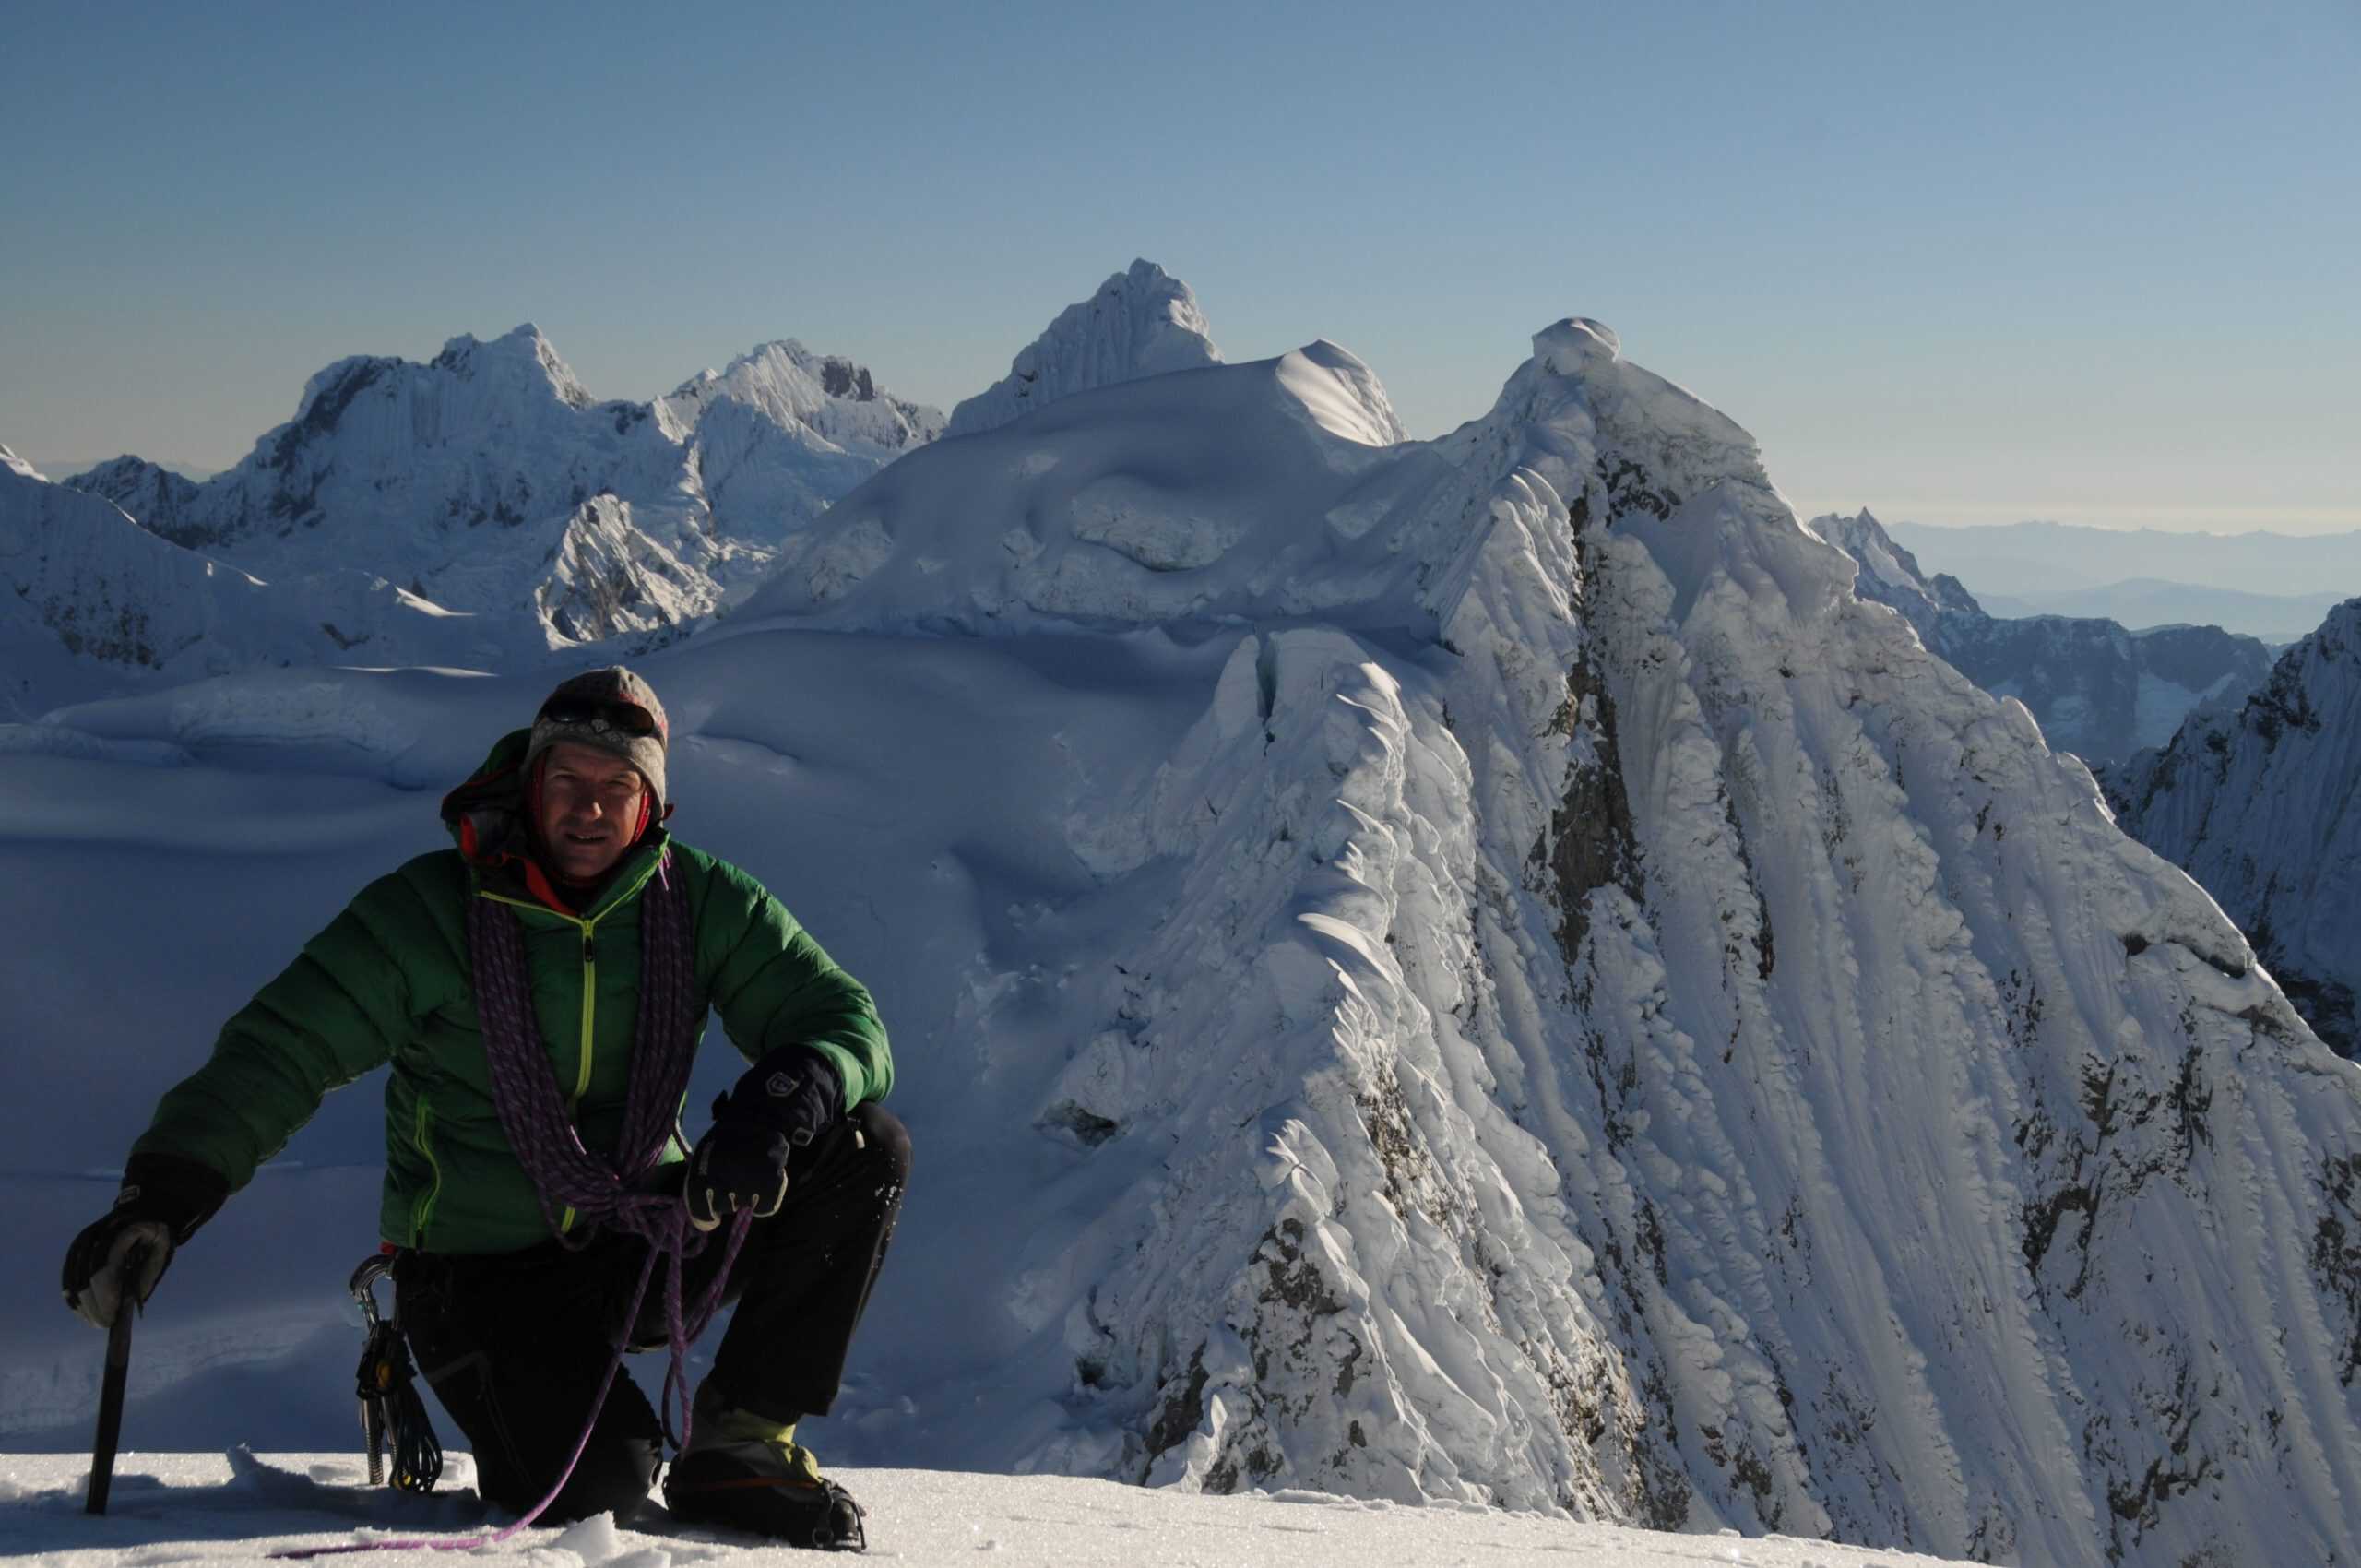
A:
(566, 1175)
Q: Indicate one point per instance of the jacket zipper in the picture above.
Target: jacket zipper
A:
(424, 1210)
(589, 1019)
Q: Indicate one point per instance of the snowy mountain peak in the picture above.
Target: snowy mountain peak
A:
(1893, 576)
(16, 465)
(1141, 321)
(834, 399)
(1572, 346)
(520, 357)
(158, 499)
(1686, 436)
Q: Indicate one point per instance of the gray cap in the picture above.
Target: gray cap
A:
(611, 710)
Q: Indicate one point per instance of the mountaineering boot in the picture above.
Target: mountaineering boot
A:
(744, 1471)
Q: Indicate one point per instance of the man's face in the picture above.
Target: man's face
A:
(589, 806)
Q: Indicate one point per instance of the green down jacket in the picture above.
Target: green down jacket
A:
(388, 982)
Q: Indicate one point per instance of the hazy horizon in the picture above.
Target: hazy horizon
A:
(2219, 522)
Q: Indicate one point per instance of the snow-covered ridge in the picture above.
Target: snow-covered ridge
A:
(2257, 805)
(11, 463)
(1141, 321)
(2098, 690)
(1685, 1053)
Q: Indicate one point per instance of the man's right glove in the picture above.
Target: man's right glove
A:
(784, 1101)
(164, 1199)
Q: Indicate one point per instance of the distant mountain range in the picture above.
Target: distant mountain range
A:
(482, 510)
(2276, 587)
(2145, 602)
(2098, 688)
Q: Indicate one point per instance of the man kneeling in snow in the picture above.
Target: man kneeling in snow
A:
(540, 992)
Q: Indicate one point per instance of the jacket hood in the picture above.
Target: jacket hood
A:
(486, 815)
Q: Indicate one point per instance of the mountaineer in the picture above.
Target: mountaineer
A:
(539, 991)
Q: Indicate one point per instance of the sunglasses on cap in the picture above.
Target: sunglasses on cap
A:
(627, 719)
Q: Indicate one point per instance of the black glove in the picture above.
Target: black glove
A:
(785, 1101)
(164, 1199)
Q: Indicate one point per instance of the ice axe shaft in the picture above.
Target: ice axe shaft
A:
(110, 1388)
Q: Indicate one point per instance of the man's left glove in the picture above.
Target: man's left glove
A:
(164, 1199)
(785, 1101)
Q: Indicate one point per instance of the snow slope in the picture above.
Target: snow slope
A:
(2257, 805)
(2098, 690)
(1476, 971)
(1141, 321)
(220, 1509)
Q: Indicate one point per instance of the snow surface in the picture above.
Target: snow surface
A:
(220, 1509)
(13, 464)
(1474, 971)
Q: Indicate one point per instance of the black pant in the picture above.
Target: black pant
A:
(514, 1344)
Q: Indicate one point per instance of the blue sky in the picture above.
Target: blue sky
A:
(1953, 263)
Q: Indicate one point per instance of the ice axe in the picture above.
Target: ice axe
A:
(110, 1388)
